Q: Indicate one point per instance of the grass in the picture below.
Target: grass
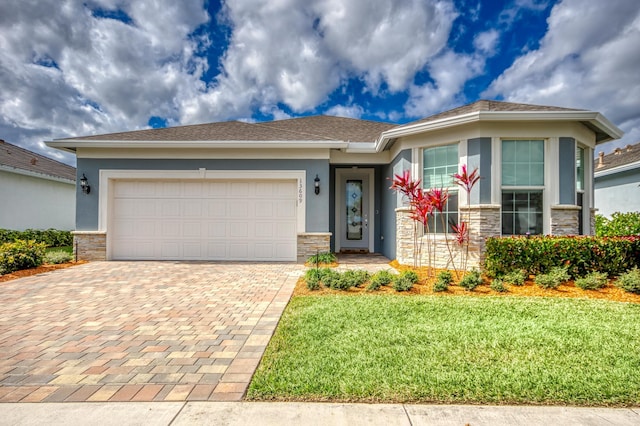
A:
(66, 249)
(453, 350)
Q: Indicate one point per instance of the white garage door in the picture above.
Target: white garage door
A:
(203, 220)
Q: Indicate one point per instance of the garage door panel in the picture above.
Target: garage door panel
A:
(204, 220)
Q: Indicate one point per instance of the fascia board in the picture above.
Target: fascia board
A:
(619, 169)
(80, 143)
(36, 174)
(594, 118)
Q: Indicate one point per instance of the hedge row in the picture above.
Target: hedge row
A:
(50, 237)
(582, 255)
(20, 255)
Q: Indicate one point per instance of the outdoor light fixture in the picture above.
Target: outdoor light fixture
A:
(84, 184)
(316, 184)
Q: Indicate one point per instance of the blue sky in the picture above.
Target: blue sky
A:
(82, 67)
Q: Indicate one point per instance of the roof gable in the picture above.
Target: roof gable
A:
(14, 157)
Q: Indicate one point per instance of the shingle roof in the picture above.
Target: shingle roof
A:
(485, 105)
(19, 158)
(320, 127)
(619, 157)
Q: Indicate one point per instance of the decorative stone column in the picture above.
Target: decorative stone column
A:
(310, 243)
(90, 245)
(565, 220)
(404, 236)
(592, 221)
(484, 222)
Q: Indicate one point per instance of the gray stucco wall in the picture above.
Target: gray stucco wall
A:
(317, 208)
(567, 171)
(619, 192)
(388, 204)
(479, 155)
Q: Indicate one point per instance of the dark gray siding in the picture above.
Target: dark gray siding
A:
(567, 171)
(479, 154)
(388, 203)
(317, 208)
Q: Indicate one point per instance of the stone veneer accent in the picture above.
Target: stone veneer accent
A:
(310, 243)
(592, 221)
(565, 220)
(90, 245)
(484, 221)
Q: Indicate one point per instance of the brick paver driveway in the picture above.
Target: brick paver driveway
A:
(139, 331)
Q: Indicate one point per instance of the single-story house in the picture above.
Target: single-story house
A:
(282, 190)
(617, 181)
(35, 191)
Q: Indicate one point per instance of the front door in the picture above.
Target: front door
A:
(353, 220)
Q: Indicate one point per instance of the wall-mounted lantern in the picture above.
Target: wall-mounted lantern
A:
(316, 185)
(84, 185)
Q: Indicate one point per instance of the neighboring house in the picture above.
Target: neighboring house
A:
(246, 191)
(617, 181)
(35, 191)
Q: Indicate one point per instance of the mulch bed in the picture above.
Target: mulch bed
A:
(529, 289)
(39, 270)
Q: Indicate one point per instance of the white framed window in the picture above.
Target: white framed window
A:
(439, 164)
(580, 187)
(522, 176)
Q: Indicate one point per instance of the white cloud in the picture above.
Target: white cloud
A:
(298, 52)
(351, 111)
(588, 59)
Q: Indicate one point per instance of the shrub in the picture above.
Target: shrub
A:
(410, 275)
(515, 277)
(556, 276)
(379, 279)
(403, 283)
(50, 237)
(445, 276)
(323, 257)
(20, 254)
(537, 255)
(592, 281)
(57, 256)
(471, 280)
(353, 278)
(498, 285)
(440, 285)
(312, 277)
(331, 279)
(629, 281)
(620, 224)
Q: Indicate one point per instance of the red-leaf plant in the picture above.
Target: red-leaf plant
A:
(411, 190)
(438, 199)
(466, 181)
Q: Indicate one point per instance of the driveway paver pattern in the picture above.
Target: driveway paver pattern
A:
(139, 331)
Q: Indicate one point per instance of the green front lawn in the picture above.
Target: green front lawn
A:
(453, 350)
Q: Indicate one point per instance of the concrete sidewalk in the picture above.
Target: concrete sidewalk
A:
(265, 413)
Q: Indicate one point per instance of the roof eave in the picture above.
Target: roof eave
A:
(72, 145)
(30, 173)
(618, 169)
(596, 119)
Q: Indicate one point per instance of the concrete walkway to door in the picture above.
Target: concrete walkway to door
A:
(139, 331)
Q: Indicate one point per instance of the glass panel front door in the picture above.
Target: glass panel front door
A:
(353, 202)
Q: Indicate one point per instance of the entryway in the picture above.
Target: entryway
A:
(354, 218)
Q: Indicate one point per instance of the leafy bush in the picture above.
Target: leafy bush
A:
(556, 276)
(312, 277)
(410, 275)
(498, 285)
(323, 257)
(353, 278)
(20, 254)
(515, 277)
(55, 257)
(445, 276)
(537, 255)
(50, 237)
(379, 279)
(331, 279)
(471, 280)
(403, 283)
(629, 281)
(620, 224)
(443, 279)
(592, 281)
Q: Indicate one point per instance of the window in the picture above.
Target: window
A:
(580, 188)
(439, 166)
(522, 186)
